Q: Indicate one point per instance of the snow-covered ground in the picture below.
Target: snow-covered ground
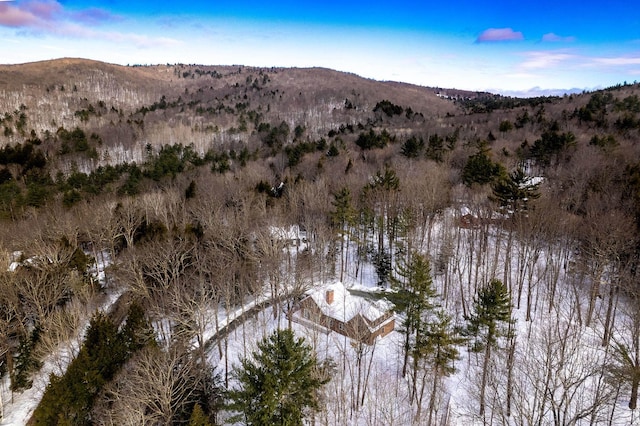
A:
(558, 360)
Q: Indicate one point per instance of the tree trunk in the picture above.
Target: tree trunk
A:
(414, 380)
(529, 296)
(367, 374)
(342, 261)
(432, 399)
(431, 220)
(485, 371)
(635, 383)
(593, 295)
(380, 234)
(226, 363)
(609, 319)
(421, 397)
(359, 355)
(510, 362)
(506, 277)
(406, 354)
(521, 268)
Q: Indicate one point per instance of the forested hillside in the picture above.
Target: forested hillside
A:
(161, 224)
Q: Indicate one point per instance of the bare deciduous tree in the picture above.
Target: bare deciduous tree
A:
(153, 388)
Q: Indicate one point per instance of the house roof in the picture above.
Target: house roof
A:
(346, 306)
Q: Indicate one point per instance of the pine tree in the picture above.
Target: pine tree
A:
(480, 169)
(68, 399)
(513, 192)
(413, 147)
(26, 362)
(442, 343)
(136, 332)
(489, 321)
(415, 298)
(343, 215)
(381, 196)
(430, 339)
(280, 383)
(190, 192)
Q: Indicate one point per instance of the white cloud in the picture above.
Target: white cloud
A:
(544, 59)
(617, 61)
(49, 17)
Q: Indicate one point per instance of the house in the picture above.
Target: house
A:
(334, 308)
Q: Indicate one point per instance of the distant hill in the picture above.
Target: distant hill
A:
(166, 104)
(131, 108)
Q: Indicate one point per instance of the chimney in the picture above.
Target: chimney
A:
(329, 296)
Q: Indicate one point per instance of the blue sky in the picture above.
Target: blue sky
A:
(512, 47)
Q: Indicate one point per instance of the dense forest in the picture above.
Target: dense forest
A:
(161, 224)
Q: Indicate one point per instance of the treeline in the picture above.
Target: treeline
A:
(487, 103)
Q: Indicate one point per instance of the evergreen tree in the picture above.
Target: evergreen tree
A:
(343, 215)
(489, 320)
(505, 126)
(333, 150)
(429, 339)
(381, 198)
(415, 298)
(479, 168)
(389, 108)
(436, 148)
(136, 332)
(513, 192)
(441, 346)
(280, 383)
(551, 145)
(68, 399)
(413, 147)
(26, 363)
(190, 192)
(443, 343)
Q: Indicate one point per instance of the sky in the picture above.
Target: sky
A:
(513, 47)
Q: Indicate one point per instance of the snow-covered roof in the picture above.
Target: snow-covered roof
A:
(346, 306)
